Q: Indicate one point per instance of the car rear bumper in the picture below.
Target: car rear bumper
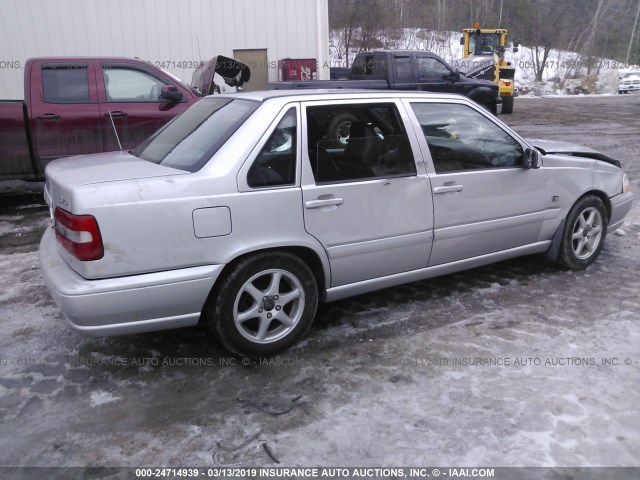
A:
(620, 207)
(124, 305)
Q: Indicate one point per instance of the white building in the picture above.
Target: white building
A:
(174, 35)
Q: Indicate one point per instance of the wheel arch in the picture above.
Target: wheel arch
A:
(554, 250)
(483, 95)
(601, 195)
(306, 254)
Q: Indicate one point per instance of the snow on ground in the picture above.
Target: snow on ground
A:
(566, 72)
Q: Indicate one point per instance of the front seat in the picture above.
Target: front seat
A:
(362, 152)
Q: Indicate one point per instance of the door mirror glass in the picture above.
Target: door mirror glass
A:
(170, 93)
(532, 158)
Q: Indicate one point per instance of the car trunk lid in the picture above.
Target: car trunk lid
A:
(63, 175)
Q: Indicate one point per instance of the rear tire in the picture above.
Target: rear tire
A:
(507, 105)
(584, 233)
(264, 305)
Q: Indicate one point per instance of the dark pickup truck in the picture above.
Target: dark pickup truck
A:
(407, 70)
(75, 106)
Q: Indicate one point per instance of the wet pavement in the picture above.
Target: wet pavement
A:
(514, 364)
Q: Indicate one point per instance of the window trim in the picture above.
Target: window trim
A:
(65, 66)
(417, 59)
(424, 146)
(137, 68)
(243, 172)
(405, 122)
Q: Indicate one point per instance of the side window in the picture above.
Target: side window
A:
(357, 142)
(129, 85)
(404, 72)
(378, 66)
(275, 165)
(65, 84)
(472, 45)
(429, 69)
(461, 138)
(373, 66)
(359, 65)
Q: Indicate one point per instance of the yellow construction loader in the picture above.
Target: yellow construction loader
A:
(484, 50)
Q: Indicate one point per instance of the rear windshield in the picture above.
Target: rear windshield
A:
(192, 138)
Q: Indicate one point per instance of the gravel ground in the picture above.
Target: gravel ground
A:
(515, 364)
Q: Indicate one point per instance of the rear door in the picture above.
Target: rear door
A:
(403, 74)
(485, 200)
(130, 105)
(369, 202)
(63, 109)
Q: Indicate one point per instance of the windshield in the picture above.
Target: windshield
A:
(488, 43)
(631, 74)
(192, 138)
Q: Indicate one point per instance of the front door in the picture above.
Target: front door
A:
(131, 109)
(434, 76)
(484, 199)
(368, 202)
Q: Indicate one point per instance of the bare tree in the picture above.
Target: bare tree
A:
(633, 31)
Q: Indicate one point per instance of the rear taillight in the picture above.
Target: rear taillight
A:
(507, 84)
(79, 235)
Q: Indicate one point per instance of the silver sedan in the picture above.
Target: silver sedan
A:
(249, 209)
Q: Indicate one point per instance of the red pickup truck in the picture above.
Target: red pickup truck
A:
(79, 105)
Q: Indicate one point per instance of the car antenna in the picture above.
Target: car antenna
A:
(114, 130)
(199, 54)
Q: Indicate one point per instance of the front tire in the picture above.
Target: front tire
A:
(507, 105)
(264, 305)
(584, 233)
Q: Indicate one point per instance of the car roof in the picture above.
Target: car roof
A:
(301, 95)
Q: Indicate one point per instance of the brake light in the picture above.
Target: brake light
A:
(79, 235)
(507, 84)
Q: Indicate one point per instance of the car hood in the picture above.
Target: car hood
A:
(475, 65)
(572, 149)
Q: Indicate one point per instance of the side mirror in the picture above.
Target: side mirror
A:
(453, 76)
(532, 158)
(170, 94)
(461, 40)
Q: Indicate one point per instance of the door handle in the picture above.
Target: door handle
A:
(48, 116)
(116, 114)
(324, 202)
(448, 188)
